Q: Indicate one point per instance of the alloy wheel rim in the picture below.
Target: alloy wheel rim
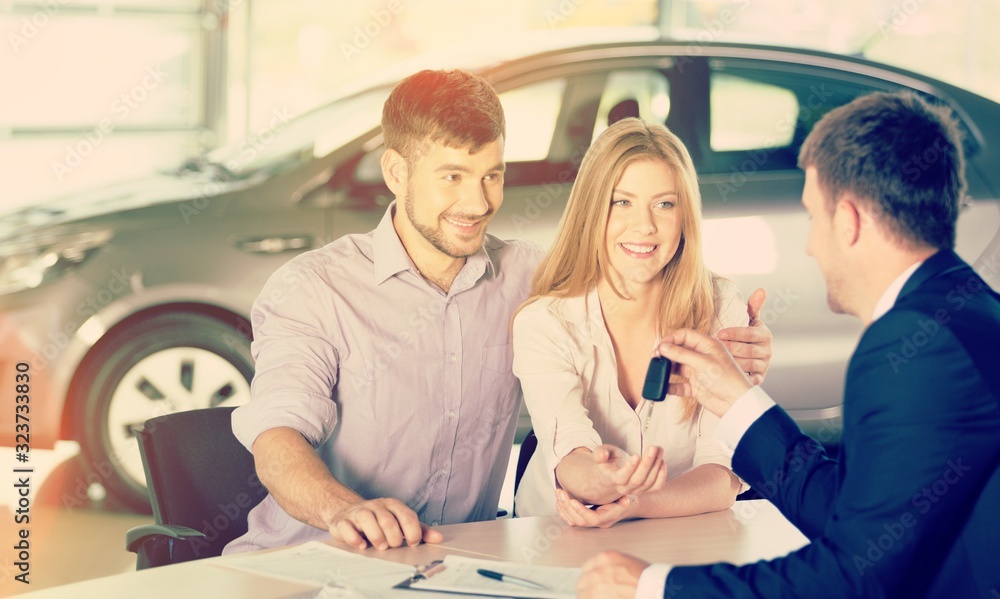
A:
(168, 381)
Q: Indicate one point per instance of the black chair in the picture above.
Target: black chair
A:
(201, 482)
(524, 454)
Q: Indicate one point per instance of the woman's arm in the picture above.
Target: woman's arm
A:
(707, 488)
(608, 472)
(545, 362)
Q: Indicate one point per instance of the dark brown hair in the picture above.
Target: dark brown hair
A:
(900, 154)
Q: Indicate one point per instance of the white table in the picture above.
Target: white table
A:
(745, 533)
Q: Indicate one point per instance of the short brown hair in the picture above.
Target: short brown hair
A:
(455, 107)
(900, 154)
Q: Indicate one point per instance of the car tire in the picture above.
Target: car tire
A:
(154, 365)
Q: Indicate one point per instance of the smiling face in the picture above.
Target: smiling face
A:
(644, 222)
(451, 195)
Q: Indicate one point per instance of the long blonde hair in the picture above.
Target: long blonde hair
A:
(579, 257)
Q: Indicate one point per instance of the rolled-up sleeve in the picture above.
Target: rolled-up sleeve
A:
(295, 359)
(552, 385)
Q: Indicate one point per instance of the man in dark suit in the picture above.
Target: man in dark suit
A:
(912, 508)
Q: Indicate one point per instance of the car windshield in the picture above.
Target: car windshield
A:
(317, 132)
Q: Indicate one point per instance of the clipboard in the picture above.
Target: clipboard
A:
(456, 574)
(424, 572)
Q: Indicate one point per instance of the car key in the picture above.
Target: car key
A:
(657, 379)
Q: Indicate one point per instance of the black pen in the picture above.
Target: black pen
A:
(511, 579)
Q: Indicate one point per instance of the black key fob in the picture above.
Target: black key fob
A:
(657, 379)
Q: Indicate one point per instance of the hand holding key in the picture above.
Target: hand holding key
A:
(657, 379)
(713, 377)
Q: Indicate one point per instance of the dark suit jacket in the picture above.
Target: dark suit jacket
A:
(912, 509)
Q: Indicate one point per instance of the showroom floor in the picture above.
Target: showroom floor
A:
(72, 536)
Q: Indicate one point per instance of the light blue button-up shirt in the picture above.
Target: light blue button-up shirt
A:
(406, 391)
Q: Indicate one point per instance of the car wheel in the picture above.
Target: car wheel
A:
(168, 362)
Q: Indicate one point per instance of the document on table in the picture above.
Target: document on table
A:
(457, 574)
(322, 564)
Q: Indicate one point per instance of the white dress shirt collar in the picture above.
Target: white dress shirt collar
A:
(889, 296)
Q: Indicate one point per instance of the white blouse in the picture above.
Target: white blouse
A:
(566, 363)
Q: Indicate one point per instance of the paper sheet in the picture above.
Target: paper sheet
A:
(458, 575)
(322, 564)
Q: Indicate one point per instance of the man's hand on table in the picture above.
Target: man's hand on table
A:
(381, 523)
(610, 575)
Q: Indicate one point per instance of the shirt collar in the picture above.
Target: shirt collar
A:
(595, 314)
(889, 296)
(582, 312)
(388, 253)
(390, 257)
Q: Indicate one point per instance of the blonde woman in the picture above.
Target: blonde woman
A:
(626, 269)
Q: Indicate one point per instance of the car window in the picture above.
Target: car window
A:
(746, 114)
(531, 113)
(760, 113)
(643, 93)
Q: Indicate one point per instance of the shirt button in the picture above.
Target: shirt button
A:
(451, 414)
(443, 471)
(453, 358)
(435, 523)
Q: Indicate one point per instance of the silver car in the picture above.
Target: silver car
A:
(133, 300)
